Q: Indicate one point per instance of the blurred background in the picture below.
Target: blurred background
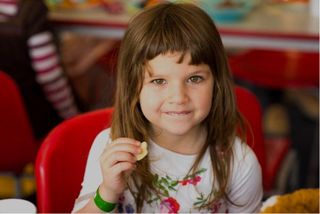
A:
(273, 50)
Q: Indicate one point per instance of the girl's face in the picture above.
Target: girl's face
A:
(175, 98)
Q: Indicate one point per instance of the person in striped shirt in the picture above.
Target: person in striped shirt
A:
(29, 54)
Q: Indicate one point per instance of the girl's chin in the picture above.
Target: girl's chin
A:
(175, 130)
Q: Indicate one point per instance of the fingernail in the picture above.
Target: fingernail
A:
(139, 150)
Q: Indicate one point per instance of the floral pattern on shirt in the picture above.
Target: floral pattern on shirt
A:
(193, 179)
(168, 185)
(202, 200)
(128, 208)
(169, 205)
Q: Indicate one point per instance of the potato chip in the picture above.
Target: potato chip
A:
(144, 152)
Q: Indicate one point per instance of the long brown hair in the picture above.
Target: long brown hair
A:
(179, 28)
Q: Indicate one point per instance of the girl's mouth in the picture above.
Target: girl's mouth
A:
(177, 113)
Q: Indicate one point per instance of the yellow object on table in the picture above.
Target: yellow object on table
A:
(8, 185)
(300, 201)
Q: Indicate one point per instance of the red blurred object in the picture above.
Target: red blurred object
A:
(277, 69)
(250, 108)
(109, 60)
(62, 158)
(113, 7)
(18, 145)
(270, 152)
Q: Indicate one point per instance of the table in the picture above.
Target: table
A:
(267, 26)
(16, 205)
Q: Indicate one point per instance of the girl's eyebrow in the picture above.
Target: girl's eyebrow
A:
(151, 73)
(199, 71)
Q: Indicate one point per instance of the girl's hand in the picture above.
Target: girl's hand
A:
(117, 161)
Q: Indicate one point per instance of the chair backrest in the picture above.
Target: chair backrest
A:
(62, 158)
(250, 108)
(59, 174)
(17, 143)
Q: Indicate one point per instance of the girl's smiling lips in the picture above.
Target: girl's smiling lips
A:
(177, 113)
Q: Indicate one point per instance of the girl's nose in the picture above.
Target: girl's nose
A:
(178, 94)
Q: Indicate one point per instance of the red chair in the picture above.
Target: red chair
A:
(250, 108)
(271, 153)
(18, 145)
(61, 160)
(62, 157)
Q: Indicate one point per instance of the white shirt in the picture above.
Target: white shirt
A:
(184, 193)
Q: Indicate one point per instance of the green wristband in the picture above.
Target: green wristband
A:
(102, 204)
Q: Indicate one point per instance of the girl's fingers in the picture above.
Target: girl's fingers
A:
(126, 140)
(123, 147)
(120, 167)
(127, 145)
(118, 157)
(114, 178)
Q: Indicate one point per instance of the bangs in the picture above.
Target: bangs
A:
(175, 30)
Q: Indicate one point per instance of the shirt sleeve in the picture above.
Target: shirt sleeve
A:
(246, 181)
(49, 73)
(45, 58)
(92, 176)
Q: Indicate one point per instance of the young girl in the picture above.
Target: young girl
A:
(175, 92)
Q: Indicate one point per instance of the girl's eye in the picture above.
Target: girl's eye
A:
(158, 81)
(195, 79)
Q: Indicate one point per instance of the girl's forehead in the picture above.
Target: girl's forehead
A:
(173, 57)
(175, 54)
(168, 61)
(160, 60)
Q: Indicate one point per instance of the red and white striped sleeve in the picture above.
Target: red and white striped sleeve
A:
(49, 74)
(8, 8)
